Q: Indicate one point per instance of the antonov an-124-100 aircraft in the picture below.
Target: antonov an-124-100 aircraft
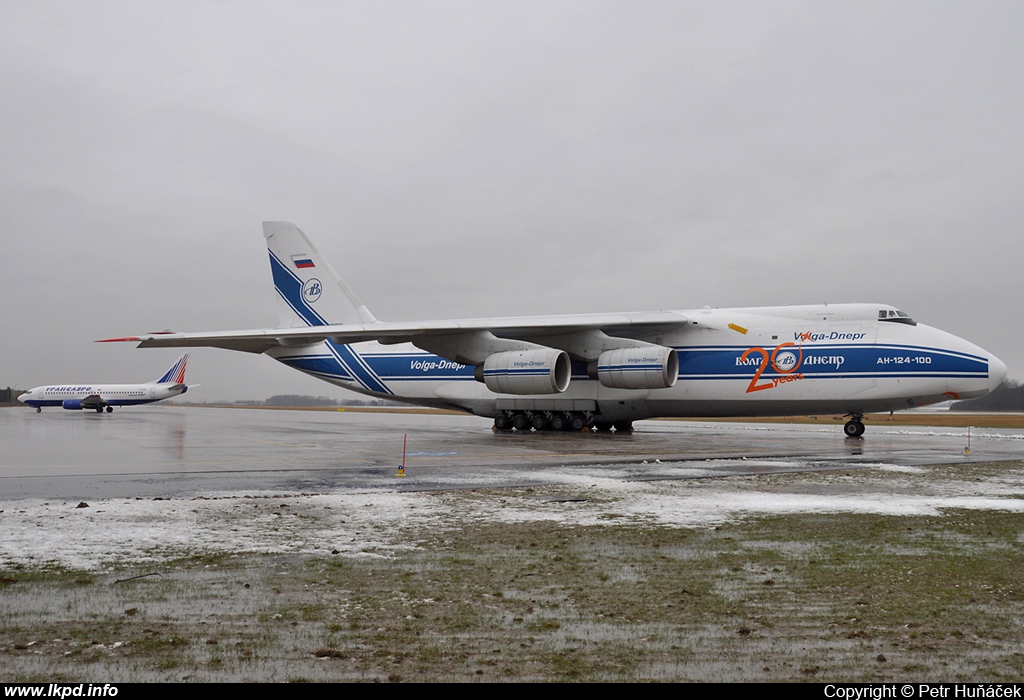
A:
(605, 371)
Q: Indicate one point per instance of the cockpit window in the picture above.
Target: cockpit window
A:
(895, 316)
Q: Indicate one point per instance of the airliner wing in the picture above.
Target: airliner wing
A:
(93, 401)
(539, 329)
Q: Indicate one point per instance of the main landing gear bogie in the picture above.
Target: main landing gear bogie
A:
(520, 421)
(539, 421)
(559, 421)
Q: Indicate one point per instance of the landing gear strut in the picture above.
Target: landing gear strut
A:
(854, 427)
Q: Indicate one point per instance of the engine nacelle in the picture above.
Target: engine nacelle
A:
(72, 404)
(638, 368)
(542, 371)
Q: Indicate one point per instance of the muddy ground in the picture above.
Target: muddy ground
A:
(604, 595)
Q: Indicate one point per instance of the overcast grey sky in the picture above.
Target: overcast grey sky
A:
(459, 159)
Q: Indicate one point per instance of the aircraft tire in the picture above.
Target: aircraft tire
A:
(577, 422)
(539, 422)
(559, 422)
(853, 428)
(502, 422)
(39, 409)
(520, 421)
(110, 409)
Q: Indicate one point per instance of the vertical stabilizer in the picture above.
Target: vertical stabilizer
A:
(176, 374)
(309, 291)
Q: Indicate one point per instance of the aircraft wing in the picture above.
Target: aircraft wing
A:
(93, 401)
(447, 338)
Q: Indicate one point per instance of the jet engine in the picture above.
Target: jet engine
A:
(638, 368)
(72, 404)
(542, 371)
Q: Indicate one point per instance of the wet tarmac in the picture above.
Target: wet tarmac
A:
(172, 451)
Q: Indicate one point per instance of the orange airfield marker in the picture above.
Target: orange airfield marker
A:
(401, 467)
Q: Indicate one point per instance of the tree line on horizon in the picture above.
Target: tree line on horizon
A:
(303, 400)
(1008, 396)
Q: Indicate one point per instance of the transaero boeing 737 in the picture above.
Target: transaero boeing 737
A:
(607, 370)
(76, 397)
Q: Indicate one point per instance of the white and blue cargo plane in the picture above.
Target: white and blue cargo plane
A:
(76, 397)
(607, 370)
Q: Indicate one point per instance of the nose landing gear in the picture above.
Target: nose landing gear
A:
(854, 428)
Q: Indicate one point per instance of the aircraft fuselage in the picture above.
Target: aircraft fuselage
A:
(790, 360)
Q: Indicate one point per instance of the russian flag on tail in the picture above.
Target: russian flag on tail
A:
(302, 261)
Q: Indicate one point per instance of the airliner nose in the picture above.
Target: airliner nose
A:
(23, 398)
(996, 372)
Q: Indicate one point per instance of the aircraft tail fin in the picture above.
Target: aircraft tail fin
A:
(176, 374)
(309, 291)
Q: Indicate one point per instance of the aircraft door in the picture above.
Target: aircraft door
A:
(152, 392)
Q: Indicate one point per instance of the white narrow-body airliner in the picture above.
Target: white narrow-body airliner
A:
(605, 371)
(78, 397)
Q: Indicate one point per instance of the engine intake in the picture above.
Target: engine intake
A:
(543, 371)
(638, 368)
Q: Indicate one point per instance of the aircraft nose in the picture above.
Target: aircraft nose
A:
(996, 372)
(23, 398)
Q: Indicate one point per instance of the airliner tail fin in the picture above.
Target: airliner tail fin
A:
(176, 374)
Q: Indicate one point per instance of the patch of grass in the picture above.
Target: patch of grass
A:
(783, 598)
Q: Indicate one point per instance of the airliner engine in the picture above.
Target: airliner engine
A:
(638, 368)
(542, 371)
(72, 404)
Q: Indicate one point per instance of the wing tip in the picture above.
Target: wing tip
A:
(135, 338)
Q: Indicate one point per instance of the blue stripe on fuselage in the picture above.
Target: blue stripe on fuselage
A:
(828, 361)
(358, 368)
(372, 371)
